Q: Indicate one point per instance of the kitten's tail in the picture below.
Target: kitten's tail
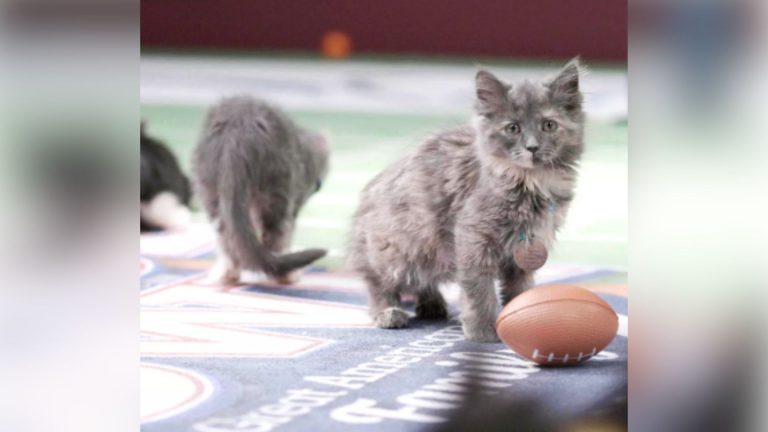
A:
(237, 181)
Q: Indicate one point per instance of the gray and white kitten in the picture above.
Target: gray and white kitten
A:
(165, 190)
(454, 209)
(255, 169)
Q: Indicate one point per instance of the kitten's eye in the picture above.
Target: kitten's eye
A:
(549, 126)
(513, 128)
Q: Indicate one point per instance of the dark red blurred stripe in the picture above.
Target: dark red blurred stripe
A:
(596, 29)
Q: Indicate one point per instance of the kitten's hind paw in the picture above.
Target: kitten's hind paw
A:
(222, 274)
(391, 318)
(289, 278)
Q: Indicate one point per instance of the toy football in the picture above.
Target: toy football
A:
(557, 325)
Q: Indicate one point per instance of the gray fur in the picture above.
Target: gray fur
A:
(453, 208)
(255, 169)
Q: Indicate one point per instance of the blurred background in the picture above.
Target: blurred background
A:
(379, 77)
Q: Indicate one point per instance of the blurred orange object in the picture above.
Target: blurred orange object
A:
(336, 44)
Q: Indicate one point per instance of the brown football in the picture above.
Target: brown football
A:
(557, 325)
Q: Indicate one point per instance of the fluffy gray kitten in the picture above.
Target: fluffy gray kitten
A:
(255, 169)
(454, 209)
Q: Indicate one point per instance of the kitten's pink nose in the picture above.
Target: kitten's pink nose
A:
(532, 149)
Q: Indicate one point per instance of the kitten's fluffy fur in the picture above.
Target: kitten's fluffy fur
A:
(165, 190)
(454, 208)
(255, 169)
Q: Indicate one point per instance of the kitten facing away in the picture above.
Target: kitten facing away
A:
(254, 170)
(165, 190)
(455, 207)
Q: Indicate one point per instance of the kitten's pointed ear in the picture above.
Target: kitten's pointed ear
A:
(565, 88)
(491, 93)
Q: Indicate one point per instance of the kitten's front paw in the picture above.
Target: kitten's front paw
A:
(480, 333)
(391, 318)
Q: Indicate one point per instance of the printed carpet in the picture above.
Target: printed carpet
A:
(261, 357)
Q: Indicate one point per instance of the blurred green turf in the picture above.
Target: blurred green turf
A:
(364, 143)
(400, 58)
